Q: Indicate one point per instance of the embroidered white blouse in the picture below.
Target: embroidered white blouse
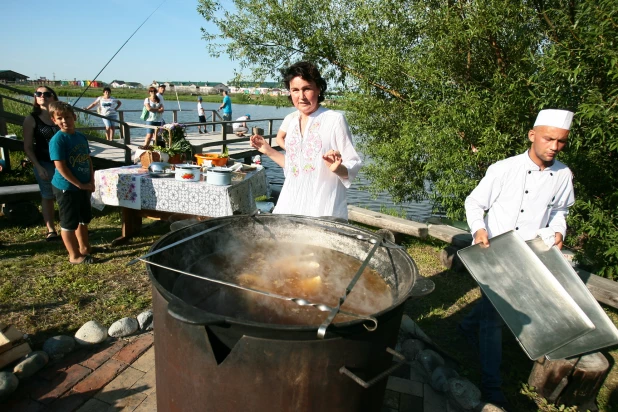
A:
(310, 188)
(518, 195)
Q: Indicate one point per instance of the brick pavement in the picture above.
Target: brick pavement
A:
(120, 375)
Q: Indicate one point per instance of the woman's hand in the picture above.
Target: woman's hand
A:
(258, 142)
(43, 173)
(332, 159)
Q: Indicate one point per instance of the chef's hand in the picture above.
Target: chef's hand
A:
(481, 237)
(332, 159)
(559, 240)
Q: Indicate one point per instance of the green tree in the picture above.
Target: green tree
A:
(439, 90)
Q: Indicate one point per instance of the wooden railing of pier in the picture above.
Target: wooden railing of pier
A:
(216, 122)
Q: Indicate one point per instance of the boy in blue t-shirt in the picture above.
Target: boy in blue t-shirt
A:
(73, 182)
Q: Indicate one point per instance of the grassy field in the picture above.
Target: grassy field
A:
(43, 295)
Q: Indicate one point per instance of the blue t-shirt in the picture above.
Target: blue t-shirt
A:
(227, 105)
(74, 149)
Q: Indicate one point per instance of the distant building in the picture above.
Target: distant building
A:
(11, 76)
(258, 88)
(125, 85)
(197, 87)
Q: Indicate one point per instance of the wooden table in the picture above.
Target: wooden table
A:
(140, 195)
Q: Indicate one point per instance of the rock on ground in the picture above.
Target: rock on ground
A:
(145, 320)
(58, 346)
(464, 393)
(430, 360)
(32, 363)
(123, 327)
(411, 347)
(8, 384)
(441, 376)
(91, 333)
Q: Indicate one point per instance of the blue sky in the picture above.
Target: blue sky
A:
(71, 39)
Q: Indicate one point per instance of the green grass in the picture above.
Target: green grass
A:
(43, 294)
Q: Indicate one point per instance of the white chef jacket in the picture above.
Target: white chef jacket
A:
(518, 195)
(310, 188)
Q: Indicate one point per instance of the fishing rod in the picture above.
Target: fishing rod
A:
(178, 101)
(118, 51)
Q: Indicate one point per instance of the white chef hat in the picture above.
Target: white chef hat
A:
(554, 118)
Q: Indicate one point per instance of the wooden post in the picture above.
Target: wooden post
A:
(3, 129)
(127, 141)
(270, 132)
(174, 116)
(570, 382)
(121, 118)
(224, 137)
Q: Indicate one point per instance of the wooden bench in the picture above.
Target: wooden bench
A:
(19, 193)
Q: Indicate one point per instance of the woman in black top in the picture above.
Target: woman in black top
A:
(38, 131)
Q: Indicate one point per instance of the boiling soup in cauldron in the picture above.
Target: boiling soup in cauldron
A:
(317, 274)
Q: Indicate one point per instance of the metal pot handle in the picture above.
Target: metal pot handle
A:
(191, 316)
(369, 383)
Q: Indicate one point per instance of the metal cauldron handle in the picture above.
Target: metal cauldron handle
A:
(369, 383)
(191, 316)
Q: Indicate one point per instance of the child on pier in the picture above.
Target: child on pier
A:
(73, 182)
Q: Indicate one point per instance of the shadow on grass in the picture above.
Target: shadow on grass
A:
(438, 315)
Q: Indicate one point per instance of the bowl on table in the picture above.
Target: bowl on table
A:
(214, 159)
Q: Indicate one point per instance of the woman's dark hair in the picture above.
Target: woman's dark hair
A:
(307, 71)
(156, 98)
(36, 108)
(107, 89)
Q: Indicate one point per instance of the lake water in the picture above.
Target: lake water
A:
(357, 194)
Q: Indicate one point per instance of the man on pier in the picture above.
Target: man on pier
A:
(240, 126)
(527, 193)
(226, 106)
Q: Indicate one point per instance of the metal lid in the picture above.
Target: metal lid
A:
(220, 169)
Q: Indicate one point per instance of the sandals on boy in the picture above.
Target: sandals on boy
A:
(51, 236)
(86, 261)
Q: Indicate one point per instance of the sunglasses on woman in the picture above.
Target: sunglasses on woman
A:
(44, 94)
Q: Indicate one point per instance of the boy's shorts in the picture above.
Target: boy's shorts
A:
(202, 119)
(74, 207)
(45, 185)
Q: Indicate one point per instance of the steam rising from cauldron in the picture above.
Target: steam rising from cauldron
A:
(267, 265)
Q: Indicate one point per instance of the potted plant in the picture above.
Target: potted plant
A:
(177, 148)
(177, 151)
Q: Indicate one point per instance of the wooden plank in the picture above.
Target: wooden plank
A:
(604, 290)
(395, 224)
(450, 234)
(19, 193)
(14, 353)
(9, 334)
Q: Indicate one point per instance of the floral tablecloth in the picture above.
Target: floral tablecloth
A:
(133, 187)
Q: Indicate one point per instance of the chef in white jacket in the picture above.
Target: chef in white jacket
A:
(529, 193)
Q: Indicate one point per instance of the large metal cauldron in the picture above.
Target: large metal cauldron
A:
(209, 362)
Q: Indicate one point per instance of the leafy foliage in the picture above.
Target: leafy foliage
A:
(438, 90)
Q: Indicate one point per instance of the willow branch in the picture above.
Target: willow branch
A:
(498, 53)
(356, 74)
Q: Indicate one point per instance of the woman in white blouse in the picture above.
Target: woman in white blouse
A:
(320, 161)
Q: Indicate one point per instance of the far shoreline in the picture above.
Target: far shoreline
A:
(237, 98)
